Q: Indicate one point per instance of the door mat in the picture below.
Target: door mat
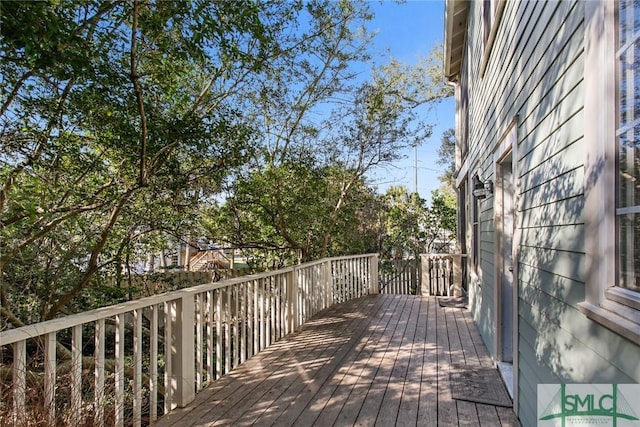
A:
(478, 384)
(454, 302)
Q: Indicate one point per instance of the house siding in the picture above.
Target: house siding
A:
(535, 74)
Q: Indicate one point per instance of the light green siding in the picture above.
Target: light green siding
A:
(535, 75)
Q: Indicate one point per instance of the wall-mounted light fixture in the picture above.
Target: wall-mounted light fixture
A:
(481, 189)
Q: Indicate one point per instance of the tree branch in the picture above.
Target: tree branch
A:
(42, 141)
(92, 266)
(135, 79)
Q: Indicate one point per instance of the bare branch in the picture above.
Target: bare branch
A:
(135, 79)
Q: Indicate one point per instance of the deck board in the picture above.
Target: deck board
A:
(357, 385)
(428, 404)
(378, 360)
(447, 411)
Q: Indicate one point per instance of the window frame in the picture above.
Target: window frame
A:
(490, 16)
(615, 308)
(462, 122)
(630, 204)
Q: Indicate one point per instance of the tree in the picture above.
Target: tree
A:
(441, 220)
(283, 213)
(382, 120)
(302, 199)
(447, 157)
(119, 120)
(279, 203)
(418, 84)
(307, 173)
(442, 213)
(404, 216)
(413, 227)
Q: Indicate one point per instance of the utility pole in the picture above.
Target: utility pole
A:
(415, 168)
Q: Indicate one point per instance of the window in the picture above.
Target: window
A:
(612, 161)
(628, 143)
(491, 14)
(462, 121)
(488, 13)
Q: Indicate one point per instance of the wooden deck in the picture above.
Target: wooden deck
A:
(378, 360)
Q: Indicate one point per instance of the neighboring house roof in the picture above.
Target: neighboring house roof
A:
(455, 29)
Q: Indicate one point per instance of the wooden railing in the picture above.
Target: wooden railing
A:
(130, 363)
(442, 274)
(400, 276)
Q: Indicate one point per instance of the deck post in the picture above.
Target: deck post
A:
(425, 283)
(50, 369)
(292, 300)
(373, 272)
(19, 377)
(327, 284)
(182, 350)
(457, 274)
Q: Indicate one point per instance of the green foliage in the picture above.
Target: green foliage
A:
(413, 227)
(119, 122)
(440, 221)
(417, 84)
(404, 229)
(443, 207)
(125, 126)
(447, 157)
(285, 212)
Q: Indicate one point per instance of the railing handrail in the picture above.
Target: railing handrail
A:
(11, 336)
(443, 255)
(204, 332)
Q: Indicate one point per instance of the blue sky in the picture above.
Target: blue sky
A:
(409, 30)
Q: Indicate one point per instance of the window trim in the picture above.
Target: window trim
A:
(462, 122)
(624, 296)
(615, 308)
(497, 9)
